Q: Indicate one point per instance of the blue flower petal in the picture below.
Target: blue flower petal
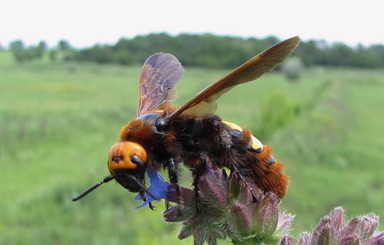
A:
(158, 186)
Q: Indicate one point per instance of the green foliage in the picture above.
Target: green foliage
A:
(53, 55)
(277, 112)
(58, 120)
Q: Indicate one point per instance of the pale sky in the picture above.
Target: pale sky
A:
(86, 22)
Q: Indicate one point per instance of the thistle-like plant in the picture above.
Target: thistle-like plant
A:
(221, 206)
(335, 229)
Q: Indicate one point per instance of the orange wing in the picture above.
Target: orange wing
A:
(204, 103)
(160, 73)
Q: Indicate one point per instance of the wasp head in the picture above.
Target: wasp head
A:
(127, 163)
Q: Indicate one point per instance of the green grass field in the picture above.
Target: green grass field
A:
(57, 122)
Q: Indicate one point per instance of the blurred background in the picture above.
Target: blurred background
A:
(69, 75)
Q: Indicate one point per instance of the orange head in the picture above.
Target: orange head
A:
(127, 163)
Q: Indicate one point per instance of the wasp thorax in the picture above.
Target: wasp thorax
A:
(126, 155)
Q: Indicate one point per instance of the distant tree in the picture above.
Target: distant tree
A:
(124, 57)
(17, 48)
(214, 51)
(16, 45)
(23, 53)
(312, 52)
(271, 40)
(40, 49)
(98, 54)
(378, 50)
(340, 54)
(188, 46)
(65, 50)
(63, 45)
(42, 45)
(367, 57)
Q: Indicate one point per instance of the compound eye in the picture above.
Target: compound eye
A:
(161, 123)
(135, 159)
(127, 155)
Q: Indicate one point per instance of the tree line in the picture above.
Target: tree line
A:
(205, 50)
(23, 53)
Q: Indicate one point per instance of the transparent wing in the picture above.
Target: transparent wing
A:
(160, 73)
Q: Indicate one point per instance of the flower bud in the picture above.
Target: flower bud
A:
(287, 240)
(241, 219)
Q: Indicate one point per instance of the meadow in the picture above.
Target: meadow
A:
(58, 121)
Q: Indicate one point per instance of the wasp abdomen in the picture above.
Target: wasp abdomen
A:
(251, 141)
(250, 155)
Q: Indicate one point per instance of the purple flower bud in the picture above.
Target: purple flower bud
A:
(213, 187)
(284, 223)
(186, 231)
(324, 233)
(350, 240)
(376, 239)
(266, 215)
(368, 225)
(362, 226)
(179, 213)
(203, 229)
(287, 240)
(241, 219)
(337, 217)
(305, 238)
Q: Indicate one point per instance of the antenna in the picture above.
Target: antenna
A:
(90, 189)
(109, 178)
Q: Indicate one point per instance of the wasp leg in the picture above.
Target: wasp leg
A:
(172, 171)
(239, 175)
(142, 196)
(173, 178)
(151, 206)
(201, 163)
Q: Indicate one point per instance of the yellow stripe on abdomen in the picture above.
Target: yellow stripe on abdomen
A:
(255, 143)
